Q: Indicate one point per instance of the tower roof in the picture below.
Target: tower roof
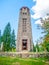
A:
(24, 7)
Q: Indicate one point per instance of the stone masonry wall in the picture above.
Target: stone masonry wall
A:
(24, 55)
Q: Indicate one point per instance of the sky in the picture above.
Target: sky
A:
(9, 12)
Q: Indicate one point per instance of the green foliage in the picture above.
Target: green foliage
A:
(41, 49)
(0, 36)
(7, 37)
(13, 45)
(37, 47)
(34, 48)
(45, 28)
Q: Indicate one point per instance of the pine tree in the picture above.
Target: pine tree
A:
(13, 45)
(7, 37)
(0, 36)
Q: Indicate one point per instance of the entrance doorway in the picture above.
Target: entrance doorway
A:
(24, 44)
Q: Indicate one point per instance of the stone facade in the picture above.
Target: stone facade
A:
(24, 37)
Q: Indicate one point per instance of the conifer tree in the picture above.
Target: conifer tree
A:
(13, 45)
(0, 36)
(7, 37)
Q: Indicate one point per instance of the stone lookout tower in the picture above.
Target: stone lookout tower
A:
(24, 37)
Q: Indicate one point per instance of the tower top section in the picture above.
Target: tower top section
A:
(24, 8)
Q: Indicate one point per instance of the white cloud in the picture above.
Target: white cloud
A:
(35, 16)
(40, 9)
(38, 22)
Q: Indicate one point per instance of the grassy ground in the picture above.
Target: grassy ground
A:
(23, 61)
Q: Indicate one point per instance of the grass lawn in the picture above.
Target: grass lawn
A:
(23, 61)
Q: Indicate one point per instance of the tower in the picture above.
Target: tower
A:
(24, 37)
